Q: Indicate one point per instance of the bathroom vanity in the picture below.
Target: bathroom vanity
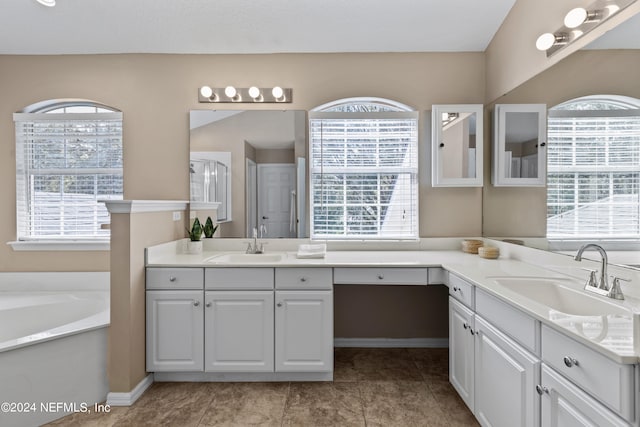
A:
(513, 358)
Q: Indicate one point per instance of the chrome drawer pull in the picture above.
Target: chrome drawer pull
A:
(303, 279)
(456, 289)
(380, 276)
(465, 326)
(279, 304)
(570, 361)
(196, 303)
(541, 390)
(172, 279)
(208, 304)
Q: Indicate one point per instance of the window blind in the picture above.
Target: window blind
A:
(593, 174)
(65, 163)
(364, 169)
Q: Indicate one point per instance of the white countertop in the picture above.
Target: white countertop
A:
(615, 336)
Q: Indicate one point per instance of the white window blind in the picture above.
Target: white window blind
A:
(65, 163)
(593, 171)
(364, 175)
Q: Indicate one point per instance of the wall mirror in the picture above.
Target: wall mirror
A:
(456, 144)
(257, 168)
(520, 134)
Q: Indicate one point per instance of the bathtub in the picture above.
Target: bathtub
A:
(53, 345)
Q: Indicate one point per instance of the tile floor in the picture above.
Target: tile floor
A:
(372, 387)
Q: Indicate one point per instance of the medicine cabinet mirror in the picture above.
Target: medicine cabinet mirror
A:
(519, 145)
(457, 145)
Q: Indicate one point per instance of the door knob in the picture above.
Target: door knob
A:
(541, 390)
(570, 361)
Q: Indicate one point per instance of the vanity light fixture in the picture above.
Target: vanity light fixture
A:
(578, 22)
(253, 94)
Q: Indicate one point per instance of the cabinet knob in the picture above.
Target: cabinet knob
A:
(380, 276)
(303, 279)
(570, 361)
(279, 304)
(196, 303)
(472, 332)
(542, 144)
(441, 144)
(465, 325)
(541, 390)
(172, 279)
(456, 289)
(208, 304)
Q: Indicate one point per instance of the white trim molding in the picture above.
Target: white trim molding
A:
(137, 206)
(128, 399)
(60, 245)
(392, 342)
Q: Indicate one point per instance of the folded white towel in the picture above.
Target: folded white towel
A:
(312, 251)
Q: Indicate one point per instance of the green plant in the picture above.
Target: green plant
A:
(209, 228)
(196, 231)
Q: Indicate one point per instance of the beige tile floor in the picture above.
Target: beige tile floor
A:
(371, 387)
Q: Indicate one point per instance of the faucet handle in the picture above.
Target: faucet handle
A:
(615, 292)
(592, 280)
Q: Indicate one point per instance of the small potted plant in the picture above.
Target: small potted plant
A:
(194, 245)
(209, 228)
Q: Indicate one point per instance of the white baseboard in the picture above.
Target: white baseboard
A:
(392, 342)
(128, 399)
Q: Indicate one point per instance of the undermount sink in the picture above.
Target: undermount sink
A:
(550, 292)
(242, 258)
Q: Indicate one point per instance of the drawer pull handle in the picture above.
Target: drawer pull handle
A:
(542, 390)
(456, 289)
(570, 361)
(279, 304)
(303, 279)
(472, 332)
(208, 304)
(172, 279)
(465, 325)
(196, 303)
(380, 276)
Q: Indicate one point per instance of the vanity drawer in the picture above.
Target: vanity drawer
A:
(608, 381)
(380, 276)
(521, 327)
(238, 278)
(304, 278)
(174, 278)
(462, 290)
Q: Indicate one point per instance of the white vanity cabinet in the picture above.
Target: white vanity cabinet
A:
(238, 331)
(494, 375)
(461, 351)
(304, 320)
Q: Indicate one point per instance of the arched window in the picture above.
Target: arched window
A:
(68, 157)
(364, 170)
(593, 178)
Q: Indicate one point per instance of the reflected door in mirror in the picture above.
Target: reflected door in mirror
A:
(457, 145)
(520, 134)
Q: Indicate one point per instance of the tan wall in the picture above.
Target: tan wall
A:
(131, 234)
(275, 156)
(512, 57)
(156, 93)
(522, 211)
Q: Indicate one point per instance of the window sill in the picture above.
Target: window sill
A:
(60, 245)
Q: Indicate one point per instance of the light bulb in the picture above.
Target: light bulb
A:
(254, 92)
(575, 17)
(206, 91)
(612, 8)
(48, 3)
(277, 92)
(230, 91)
(545, 41)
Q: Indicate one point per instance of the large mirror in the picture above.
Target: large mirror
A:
(606, 67)
(257, 179)
(457, 143)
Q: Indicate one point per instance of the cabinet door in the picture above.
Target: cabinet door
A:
(520, 138)
(564, 404)
(174, 331)
(506, 376)
(304, 331)
(239, 331)
(461, 350)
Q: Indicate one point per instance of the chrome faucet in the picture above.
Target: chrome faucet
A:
(256, 248)
(602, 286)
(603, 283)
